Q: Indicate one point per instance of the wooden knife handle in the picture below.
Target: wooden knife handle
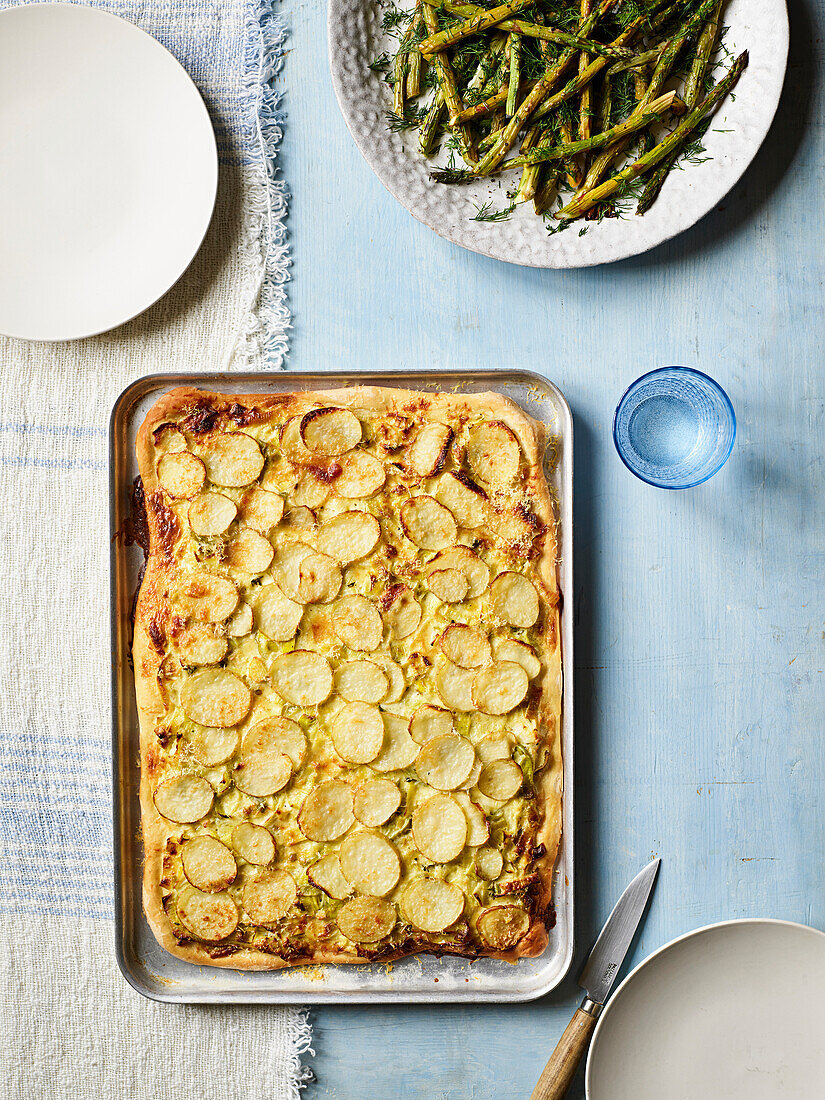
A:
(564, 1061)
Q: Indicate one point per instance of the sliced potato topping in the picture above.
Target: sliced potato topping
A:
(287, 569)
(357, 732)
(181, 474)
(212, 746)
(361, 476)
(207, 597)
(466, 561)
(185, 798)
(369, 863)
(489, 863)
(461, 496)
(330, 431)
(439, 829)
(399, 749)
(311, 491)
(432, 905)
(514, 599)
(448, 585)
(269, 897)
(356, 621)
(502, 926)
(208, 864)
(455, 687)
(262, 773)
(429, 721)
(253, 843)
(349, 536)
(292, 445)
(478, 831)
(500, 779)
(319, 579)
(211, 514)
(376, 801)
(500, 687)
(209, 917)
(445, 762)
(325, 873)
(522, 654)
(232, 459)
(465, 646)
(278, 735)
(261, 510)
(361, 682)
(428, 451)
(302, 677)
(198, 644)
(250, 552)
(327, 811)
(215, 697)
(366, 920)
(395, 675)
(427, 523)
(276, 616)
(402, 612)
(495, 746)
(240, 624)
(493, 454)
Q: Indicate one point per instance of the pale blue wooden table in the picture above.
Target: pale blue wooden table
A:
(700, 618)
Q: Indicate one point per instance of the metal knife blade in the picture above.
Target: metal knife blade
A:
(607, 956)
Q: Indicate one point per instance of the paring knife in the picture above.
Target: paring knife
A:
(596, 979)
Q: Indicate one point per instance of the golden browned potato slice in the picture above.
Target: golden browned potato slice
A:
(262, 510)
(311, 491)
(207, 597)
(402, 612)
(292, 445)
(269, 897)
(445, 762)
(366, 920)
(198, 644)
(468, 563)
(375, 801)
(211, 514)
(181, 474)
(249, 552)
(276, 615)
(461, 496)
(399, 749)
(349, 536)
(319, 579)
(500, 779)
(213, 746)
(361, 476)
(432, 905)
(240, 624)
(478, 831)
(262, 773)
(522, 654)
(184, 799)
(395, 675)
(464, 646)
(502, 926)
(325, 873)
(455, 687)
(215, 697)
(514, 599)
(427, 523)
(253, 843)
(369, 863)
(500, 687)
(287, 569)
(448, 585)
(361, 682)
(208, 864)
(429, 721)
(330, 432)
(302, 677)
(278, 735)
(493, 454)
(357, 732)
(439, 829)
(495, 746)
(232, 459)
(489, 863)
(327, 811)
(209, 917)
(356, 621)
(428, 451)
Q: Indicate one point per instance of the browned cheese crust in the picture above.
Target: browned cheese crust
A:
(350, 715)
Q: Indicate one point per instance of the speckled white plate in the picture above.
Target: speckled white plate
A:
(356, 38)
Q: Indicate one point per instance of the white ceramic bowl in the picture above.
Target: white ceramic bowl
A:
(732, 1011)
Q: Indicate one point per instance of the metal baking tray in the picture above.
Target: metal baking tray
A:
(162, 977)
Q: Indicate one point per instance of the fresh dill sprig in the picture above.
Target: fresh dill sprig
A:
(486, 213)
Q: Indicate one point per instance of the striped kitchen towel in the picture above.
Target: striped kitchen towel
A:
(71, 1027)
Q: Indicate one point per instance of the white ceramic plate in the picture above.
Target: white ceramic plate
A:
(108, 171)
(356, 38)
(733, 1011)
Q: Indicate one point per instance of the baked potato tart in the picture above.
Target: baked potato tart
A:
(348, 673)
